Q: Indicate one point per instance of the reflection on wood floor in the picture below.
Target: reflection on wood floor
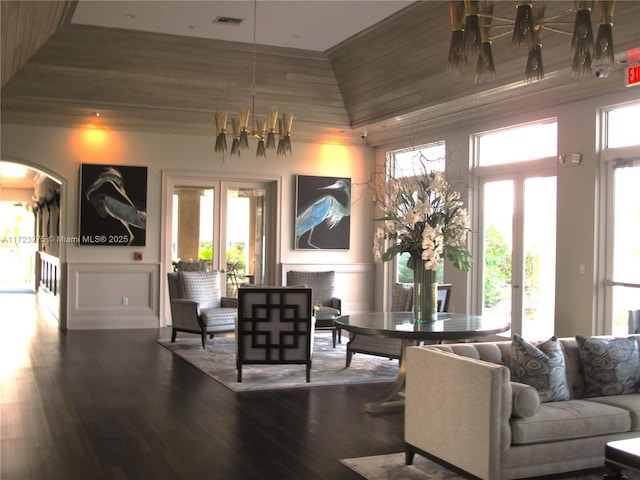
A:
(113, 404)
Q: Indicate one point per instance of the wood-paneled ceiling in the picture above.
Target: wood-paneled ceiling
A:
(390, 79)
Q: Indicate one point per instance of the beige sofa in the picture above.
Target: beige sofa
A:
(463, 409)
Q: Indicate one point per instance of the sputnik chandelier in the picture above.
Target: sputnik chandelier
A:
(263, 130)
(471, 33)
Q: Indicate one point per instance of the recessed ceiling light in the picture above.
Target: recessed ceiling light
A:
(96, 114)
(129, 16)
(295, 36)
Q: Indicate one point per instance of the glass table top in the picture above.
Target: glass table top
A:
(448, 326)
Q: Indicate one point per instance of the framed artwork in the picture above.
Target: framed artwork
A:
(113, 205)
(323, 213)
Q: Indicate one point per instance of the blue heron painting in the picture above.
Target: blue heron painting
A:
(324, 208)
(113, 208)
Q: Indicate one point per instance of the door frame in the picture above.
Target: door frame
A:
(174, 178)
(518, 176)
(608, 160)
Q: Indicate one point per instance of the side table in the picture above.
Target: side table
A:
(622, 454)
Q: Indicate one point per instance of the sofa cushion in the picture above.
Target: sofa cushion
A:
(202, 287)
(525, 400)
(570, 419)
(219, 319)
(611, 366)
(540, 366)
(630, 402)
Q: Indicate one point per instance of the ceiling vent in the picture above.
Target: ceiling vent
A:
(228, 21)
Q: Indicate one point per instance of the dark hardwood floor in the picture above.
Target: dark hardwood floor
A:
(116, 405)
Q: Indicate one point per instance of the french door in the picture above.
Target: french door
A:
(231, 225)
(622, 287)
(518, 247)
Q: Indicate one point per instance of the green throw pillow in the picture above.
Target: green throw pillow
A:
(611, 366)
(540, 366)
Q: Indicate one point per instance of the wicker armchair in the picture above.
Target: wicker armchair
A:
(275, 326)
(197, 305)
(402, 301)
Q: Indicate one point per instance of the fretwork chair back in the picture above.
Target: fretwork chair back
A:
(634, 321)
(275, 326)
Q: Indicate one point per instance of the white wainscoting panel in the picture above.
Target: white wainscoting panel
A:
(109, 296)
(354, 283)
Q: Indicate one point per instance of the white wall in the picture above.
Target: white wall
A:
(104, 273)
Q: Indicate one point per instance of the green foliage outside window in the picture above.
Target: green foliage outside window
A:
(236, 255)
(497, 267)
(405, 274)
(206, 250)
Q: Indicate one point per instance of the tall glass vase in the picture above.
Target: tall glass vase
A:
(425, 294)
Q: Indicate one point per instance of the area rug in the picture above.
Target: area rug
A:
(392, 467)
(218, 361)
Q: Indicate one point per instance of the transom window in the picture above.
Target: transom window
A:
(622, 126)
(517, 144)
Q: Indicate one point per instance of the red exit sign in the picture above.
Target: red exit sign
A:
(633, 75)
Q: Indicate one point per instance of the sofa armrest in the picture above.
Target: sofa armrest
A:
(185, 314)
(458, 409)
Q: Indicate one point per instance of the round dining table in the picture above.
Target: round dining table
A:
(401, 325)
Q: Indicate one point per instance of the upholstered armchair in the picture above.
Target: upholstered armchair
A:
(401, 301)
(197, 304)
(322, 284)
(326, 305)
(275, 326)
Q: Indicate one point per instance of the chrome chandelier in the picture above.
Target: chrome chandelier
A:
(471, 34)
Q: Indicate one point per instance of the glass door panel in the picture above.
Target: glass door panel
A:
(539, 243)
(245, 234)
(626, 244)
(518, 251)
(193, 225)
(498, 207)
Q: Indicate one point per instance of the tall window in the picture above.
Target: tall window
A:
(409, 163)
(621, 158)
(518, 226)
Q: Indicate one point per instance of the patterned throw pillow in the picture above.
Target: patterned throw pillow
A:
(611, 365)
(540, 366)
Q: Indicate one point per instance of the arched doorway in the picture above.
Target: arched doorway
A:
(30, 231)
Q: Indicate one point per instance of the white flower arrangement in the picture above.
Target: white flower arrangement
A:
(424, 217)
